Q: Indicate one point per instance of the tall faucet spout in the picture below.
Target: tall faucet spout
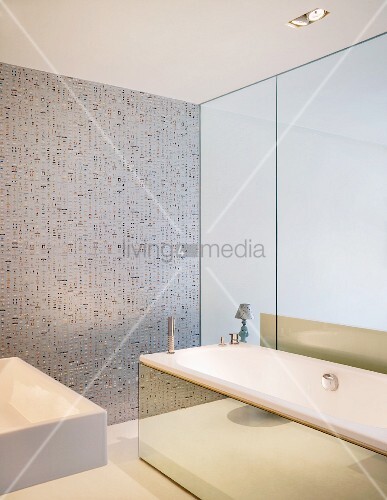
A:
(171, 335)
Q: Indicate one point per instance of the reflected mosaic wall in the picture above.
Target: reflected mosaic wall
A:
(161, 392)
(99, 188)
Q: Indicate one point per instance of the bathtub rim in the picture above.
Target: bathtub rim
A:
(222, 389)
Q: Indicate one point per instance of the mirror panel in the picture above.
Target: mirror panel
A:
(237, 210)
(332, 207)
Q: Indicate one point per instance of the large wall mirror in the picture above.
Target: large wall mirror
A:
(332, 206)
(299, 164)
(238, 193)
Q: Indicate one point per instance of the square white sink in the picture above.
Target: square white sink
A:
(47, 430)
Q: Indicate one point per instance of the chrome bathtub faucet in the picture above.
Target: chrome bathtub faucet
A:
(171, 335)
(234, 338)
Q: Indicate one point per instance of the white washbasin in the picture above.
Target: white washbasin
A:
(47, 430)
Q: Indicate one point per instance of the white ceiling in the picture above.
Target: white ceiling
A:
(192, 50)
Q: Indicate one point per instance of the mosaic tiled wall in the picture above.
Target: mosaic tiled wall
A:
(94, 180)
(162, 393)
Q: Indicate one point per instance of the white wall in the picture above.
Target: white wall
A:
(237, 204)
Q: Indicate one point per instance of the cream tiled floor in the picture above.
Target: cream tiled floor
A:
(223, 450)
(126, 477)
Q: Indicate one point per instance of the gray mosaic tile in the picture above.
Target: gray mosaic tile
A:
(92, 175)
(160, 392)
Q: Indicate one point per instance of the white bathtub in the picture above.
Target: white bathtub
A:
(46, 429)
(290, 385)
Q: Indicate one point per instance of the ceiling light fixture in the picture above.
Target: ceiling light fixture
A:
(308, 18)
(316, 15)
(301, 21)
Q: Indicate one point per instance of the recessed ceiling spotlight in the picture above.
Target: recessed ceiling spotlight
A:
(308, 18)
(316, 15)
(301, 21)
